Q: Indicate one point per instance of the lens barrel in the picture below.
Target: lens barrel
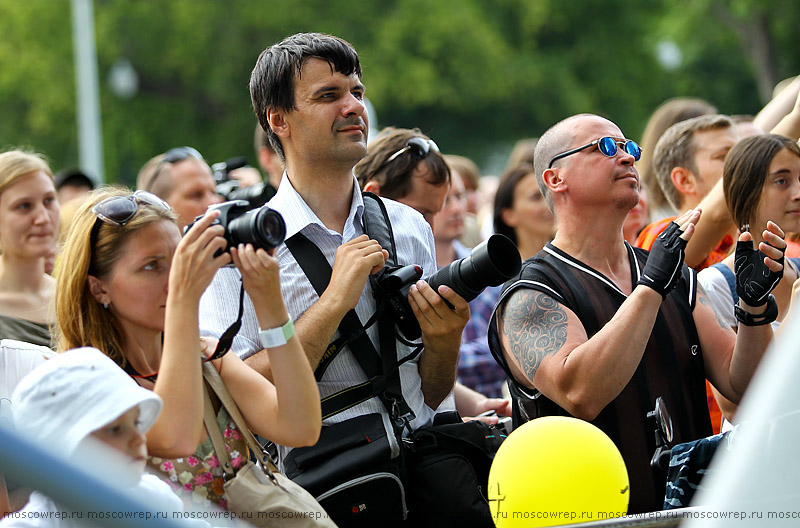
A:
(262, 227)
(491, 263)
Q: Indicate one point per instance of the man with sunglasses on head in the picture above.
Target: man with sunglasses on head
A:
(183, 179)
(597, 329)
(405, 165)
(308, 96)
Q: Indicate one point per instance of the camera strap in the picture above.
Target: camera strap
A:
(226, 339)
(377, 225)
(381, 369)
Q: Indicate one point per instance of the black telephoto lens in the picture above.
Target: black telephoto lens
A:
(491, 263)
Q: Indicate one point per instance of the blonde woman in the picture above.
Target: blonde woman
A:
(129, 285)
(28, 230)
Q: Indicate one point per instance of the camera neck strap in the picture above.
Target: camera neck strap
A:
(226, 339)
(377, 226)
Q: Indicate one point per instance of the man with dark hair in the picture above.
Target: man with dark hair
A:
(309, 98)
(72, 183)
(596, 329)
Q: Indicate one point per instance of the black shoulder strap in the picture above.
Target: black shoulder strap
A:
(318, 272)
(377, 225)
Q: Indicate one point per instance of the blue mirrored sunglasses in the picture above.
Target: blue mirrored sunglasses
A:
(608, 146)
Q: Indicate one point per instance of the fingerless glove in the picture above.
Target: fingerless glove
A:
(664, 263)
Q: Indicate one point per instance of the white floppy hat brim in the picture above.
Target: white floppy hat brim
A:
(67, 398)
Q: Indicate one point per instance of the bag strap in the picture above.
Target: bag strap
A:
(378, 227)
(730, 278)
(217, 384)
(380, 383)
(215, 434)
(318, 272)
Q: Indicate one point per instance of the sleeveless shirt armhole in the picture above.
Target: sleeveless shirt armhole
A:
(692, 285)
(531, 285)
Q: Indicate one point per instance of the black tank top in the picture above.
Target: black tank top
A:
(671, 366)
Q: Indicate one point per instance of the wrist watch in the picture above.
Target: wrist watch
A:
(275, 337)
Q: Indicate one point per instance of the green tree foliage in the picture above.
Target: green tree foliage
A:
(37, 88)
(474, 74)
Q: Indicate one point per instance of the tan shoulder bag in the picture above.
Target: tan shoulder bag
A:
(259, 494)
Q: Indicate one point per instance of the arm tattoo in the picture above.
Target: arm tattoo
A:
(702, 297)
(536, 327)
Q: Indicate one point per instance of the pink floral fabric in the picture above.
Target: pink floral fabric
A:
(199, 478)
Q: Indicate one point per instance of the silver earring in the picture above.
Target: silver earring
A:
(105, 305)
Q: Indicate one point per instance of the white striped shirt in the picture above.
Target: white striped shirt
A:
(414, 241)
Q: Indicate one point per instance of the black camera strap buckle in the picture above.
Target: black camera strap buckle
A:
(401, 416)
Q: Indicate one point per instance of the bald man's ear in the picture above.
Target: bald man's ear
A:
(277, 122)
(373, 187)
(553, 180)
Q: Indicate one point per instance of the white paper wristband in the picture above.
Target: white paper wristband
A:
(275, 337)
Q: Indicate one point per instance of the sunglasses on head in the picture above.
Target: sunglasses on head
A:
(418, 147)
(608, 146)
(173, 155)
(119, 210)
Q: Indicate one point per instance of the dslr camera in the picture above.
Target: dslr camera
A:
(491, 263)
(263, 227)
(231, 189)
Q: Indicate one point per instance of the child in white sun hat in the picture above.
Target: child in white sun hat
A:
(71, 402)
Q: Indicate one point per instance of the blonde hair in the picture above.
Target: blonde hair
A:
(80, 319)
(16, 164)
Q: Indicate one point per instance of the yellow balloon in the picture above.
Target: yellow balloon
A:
(557, 470)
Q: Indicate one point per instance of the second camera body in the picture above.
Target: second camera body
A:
(263, 227)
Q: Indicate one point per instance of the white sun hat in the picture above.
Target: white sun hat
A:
(67, 398)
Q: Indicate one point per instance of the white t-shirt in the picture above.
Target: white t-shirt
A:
(719, 293)
(17, 358)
